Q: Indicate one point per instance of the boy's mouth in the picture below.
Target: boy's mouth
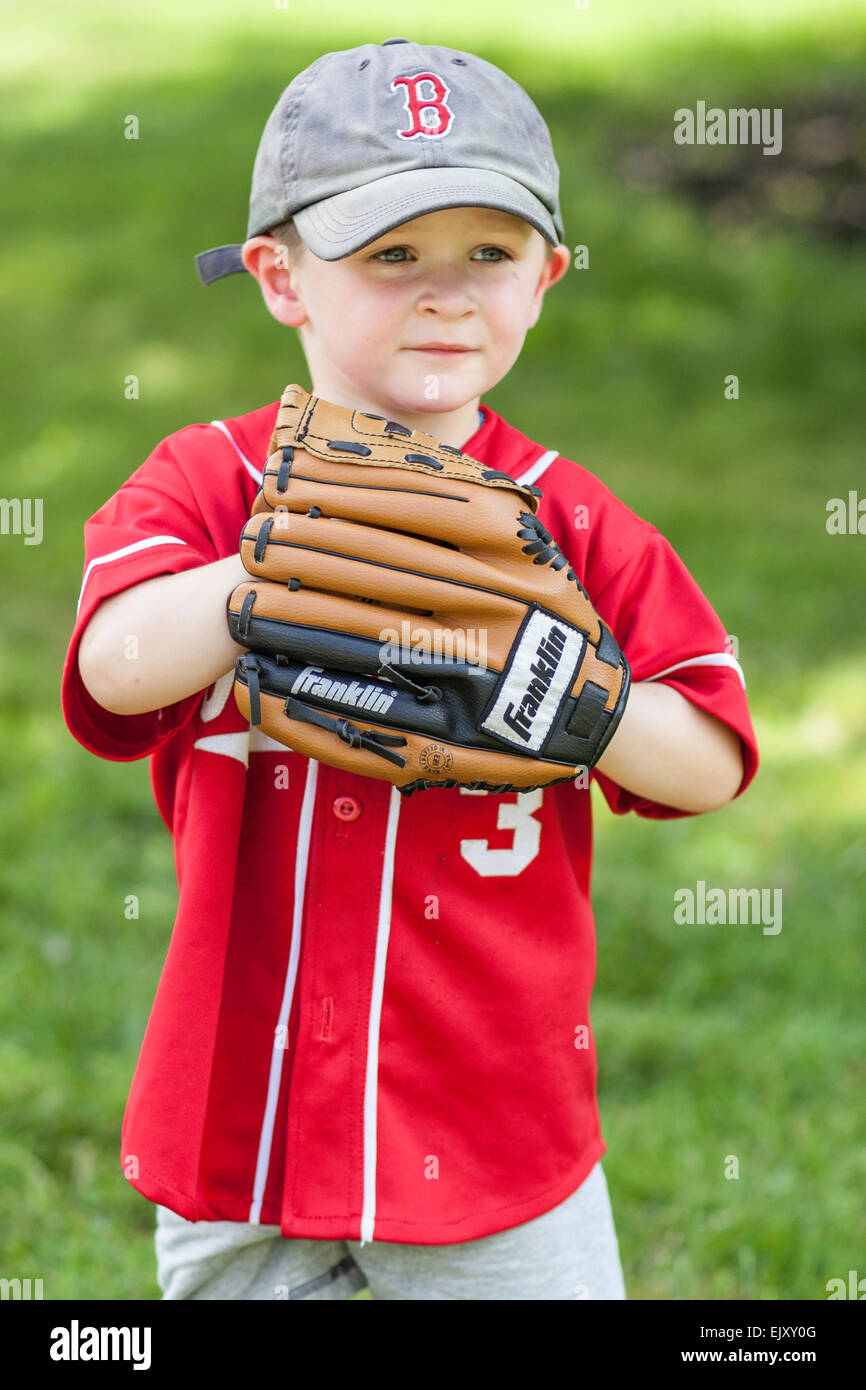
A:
(440, 347)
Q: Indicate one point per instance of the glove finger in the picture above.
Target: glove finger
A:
(459, 511)
(266, 616)
(344, 558)
(366, 542)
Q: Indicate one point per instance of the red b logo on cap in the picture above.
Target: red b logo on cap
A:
(416, 103)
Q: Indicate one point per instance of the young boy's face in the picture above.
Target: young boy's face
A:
(470, 278)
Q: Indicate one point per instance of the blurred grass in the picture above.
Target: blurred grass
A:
(712, 1041)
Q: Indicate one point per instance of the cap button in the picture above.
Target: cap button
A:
(385, 42)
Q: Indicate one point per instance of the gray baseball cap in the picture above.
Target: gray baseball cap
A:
(370, 137)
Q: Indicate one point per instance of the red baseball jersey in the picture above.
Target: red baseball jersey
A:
(373, 1017)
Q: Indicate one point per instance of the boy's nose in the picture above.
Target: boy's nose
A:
(447, 289)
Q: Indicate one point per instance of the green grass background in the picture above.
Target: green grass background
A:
(712, 1041)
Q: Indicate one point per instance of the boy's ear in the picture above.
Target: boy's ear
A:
(555, 266)
(268, 261)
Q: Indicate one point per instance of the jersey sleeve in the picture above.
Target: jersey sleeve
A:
(152, 525)
(670, 632)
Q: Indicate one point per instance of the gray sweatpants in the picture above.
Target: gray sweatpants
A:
(569, 1252)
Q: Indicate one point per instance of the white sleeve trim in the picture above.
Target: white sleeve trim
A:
(120, 554)
(711, 659)
(541, 463)
(255, 473)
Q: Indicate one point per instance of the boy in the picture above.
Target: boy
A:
(369, 1059)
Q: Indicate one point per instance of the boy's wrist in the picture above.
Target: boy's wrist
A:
(234, 572)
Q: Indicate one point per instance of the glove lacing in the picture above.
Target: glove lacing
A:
(349, 733)
(425, 694)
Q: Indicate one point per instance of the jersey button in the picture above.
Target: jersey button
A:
(346, 808)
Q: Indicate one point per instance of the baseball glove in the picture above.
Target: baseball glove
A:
(408, 617)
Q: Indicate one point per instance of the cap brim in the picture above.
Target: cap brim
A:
(338, 226)
(219, 261)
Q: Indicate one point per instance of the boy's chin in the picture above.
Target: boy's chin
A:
(434, 393)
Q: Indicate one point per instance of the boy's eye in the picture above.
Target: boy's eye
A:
(387, 252)
(395, 255)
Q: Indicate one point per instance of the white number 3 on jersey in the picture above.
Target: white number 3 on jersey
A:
(514, 815)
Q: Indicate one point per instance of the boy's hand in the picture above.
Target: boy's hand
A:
(411, 619)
